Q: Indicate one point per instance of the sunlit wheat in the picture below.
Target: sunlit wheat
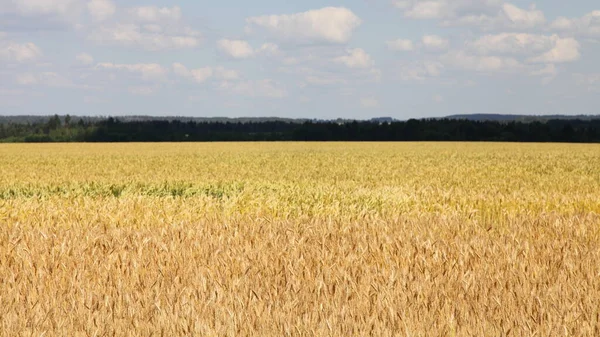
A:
(297, 239)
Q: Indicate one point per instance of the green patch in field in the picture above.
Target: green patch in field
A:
(218, 191)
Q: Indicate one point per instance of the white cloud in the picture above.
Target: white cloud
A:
(101, 10)
(238, 49)
(438, 98)
(41, 7)
(466, 61)
(148, 71)
(487, 14)
(420, 71)
(50, 79)
(564, 50)
(155, 14)
(549, 48)
(21, 53)
(180, 70)
(513, 43)
(548, 70)
(446, 9)
(226, 74)
(424, 9)
(84, 59)
(401, 45)
(153, 28)
(134, 35)
(330, 24)
(150, 28)
(523, 18)
(588, 25)
(369, 102)
(201, 75)
(564, 24)
(269, 49)
(356, 58)
(261, 88)
(435, 43)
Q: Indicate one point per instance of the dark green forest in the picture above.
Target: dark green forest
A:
(75, 129)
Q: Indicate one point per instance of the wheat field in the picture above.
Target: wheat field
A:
(300, 239)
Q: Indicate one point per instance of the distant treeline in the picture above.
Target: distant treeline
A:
(68, 129)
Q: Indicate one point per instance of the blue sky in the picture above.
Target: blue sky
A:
(317, 59)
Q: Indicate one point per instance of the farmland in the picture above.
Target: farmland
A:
(302, 239)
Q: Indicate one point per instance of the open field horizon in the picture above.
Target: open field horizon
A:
(313, 239)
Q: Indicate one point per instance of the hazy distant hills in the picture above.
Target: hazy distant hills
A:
(521, 118)
(34, 119)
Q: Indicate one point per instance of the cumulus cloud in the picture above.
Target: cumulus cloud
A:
(101, 10)
(401, 45)
(133, 35)
(420, 70)
(549, 48)
(150, 28)
(155, 14)
(487, 14)
(28, 15)
(180, 70)
(40, 7)
(588, 25)
(269, 49)
(523, 18)
(330, 24)
(226, 74)
(355, 58)
(435, 43)
(463, 60)
(201, 75)
(50, 79)
(513, 43)
(445, 9)
(84, 59)
(238, 49)
(11, 51)
(148, 71)
(564, 50)
(547, 70)
(424, 9)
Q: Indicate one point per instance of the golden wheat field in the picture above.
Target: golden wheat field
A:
(318, 239)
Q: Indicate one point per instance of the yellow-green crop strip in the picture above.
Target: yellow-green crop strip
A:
(272, 239)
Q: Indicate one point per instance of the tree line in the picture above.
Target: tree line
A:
(67, 129)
